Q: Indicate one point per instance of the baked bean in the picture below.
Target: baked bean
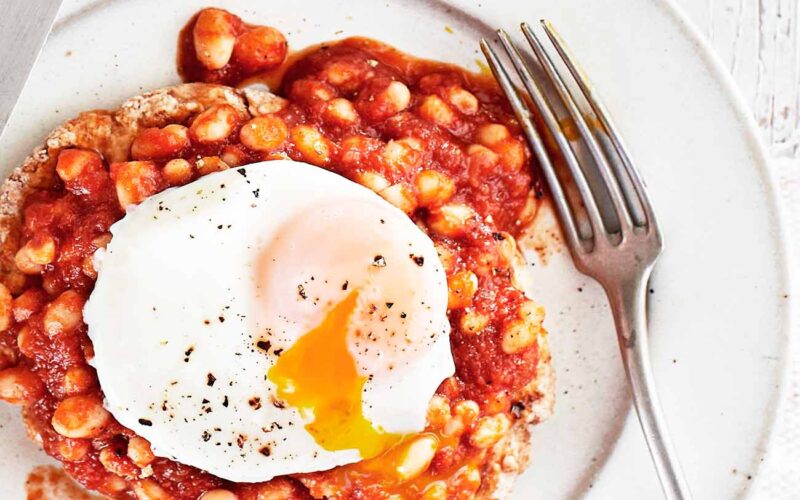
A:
(218, 495)
(234, 155)
(114, 484)
(461, 288)
(340, 112)
(160, 143)
(264, 133)
(310, 92)
(491, 134)
(437, 490)
(402, 155)
(210, 164)
(347, 76)
(177, 172)
(466, 479)
(6, 307)
(482, 161)
(26, 341)
(467, 410)
(438, 411)
(214, 124)
(36, 253)
(73, 450)
(507, 247)
(64, 314)
(214, 38)
(311, 145)
(435, 110)
(20, 386)
(260, 49)
(277, 489)
(8, 357)
(401, 196)
(433, 188)
(139, 451)
(462, 99)
(417, 457)
(80, 417)
(29, 302)
(354, 151)
(147, 489)
(73, 162)
(529, 209)
(378, 105)
(77, 380)
(489, 430)
(135, 181)
(512, 154)
(372, 180)
(472, 321)
(521, 333)
(451, 219)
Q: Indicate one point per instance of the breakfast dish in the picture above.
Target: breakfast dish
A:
(219, 291)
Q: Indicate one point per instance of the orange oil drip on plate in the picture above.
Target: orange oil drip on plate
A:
(318, 376)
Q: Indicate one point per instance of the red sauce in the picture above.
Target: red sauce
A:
(359, 70)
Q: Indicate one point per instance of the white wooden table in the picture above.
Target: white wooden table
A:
(758, 41)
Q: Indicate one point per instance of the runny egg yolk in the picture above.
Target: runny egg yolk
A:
(318, 376)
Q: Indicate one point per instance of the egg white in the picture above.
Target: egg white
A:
(183, 295)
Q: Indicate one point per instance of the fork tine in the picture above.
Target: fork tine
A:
(524, 116)
(599, 109)
(552, 124)
(614, 191)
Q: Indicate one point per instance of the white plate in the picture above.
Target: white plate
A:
(719, 311)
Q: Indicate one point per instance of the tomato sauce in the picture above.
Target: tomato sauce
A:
(452, 122)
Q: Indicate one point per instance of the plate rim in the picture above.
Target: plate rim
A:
(787, 282)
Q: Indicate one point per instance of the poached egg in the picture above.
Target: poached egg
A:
(271, 319)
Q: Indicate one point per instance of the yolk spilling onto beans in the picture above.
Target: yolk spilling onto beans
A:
(318, 375)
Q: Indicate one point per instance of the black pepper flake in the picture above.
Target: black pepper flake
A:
(240, 441)
(225, 401)
(265, 450)
(242, 172)
(517, 407)
(188, 353)
(345, 285)
(403, 315)
(379, 261)
(264, 345)
(256, 192)
(210, 379)
(389, 305)
(219, 227)
(277, 403)
(255, 403)
(278, 352)
(418, 259)
(206, 436)
(205, 401)
(221, 319)
(498, 236)
(145, 422)
(301, 291)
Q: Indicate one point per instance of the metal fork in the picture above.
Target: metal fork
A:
(620, 259)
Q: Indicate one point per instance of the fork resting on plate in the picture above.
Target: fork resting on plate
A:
(607, 219)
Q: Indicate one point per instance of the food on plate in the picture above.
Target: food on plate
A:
(306, 290)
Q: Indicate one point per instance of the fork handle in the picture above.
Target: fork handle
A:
(628, 307)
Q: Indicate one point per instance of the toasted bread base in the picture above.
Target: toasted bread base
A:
(111, 133)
